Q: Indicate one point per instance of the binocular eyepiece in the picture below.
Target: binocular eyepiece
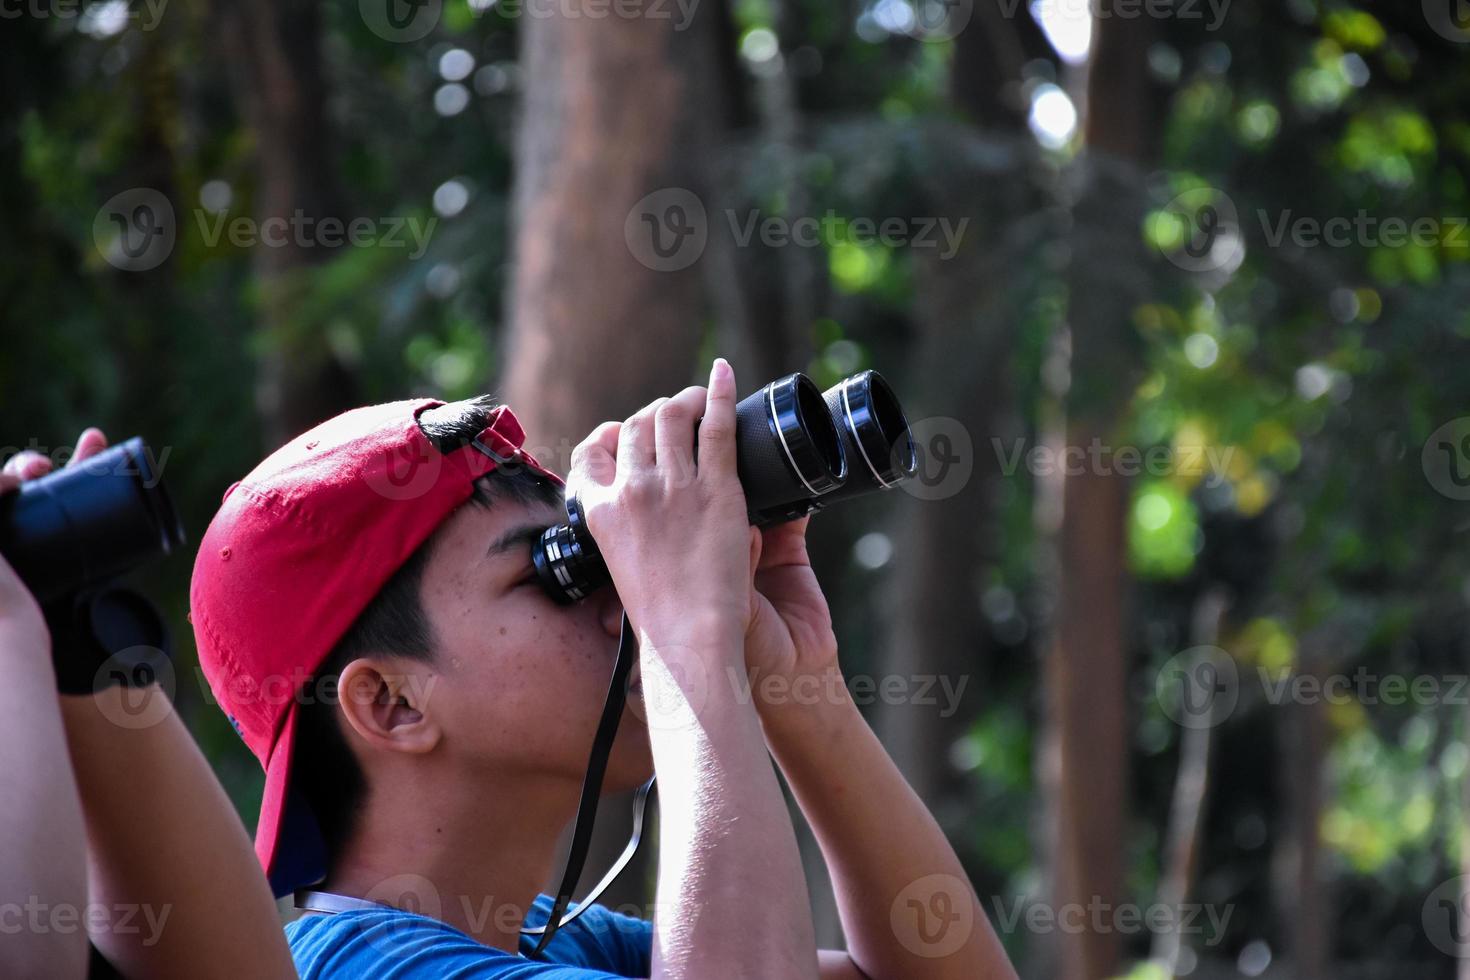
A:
(797, 450)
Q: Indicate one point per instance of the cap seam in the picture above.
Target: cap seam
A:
(287, 507)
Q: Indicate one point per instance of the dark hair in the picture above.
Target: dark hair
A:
(324, 770)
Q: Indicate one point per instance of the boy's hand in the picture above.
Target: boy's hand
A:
(675, 537)
(790, 634)
(20, 615)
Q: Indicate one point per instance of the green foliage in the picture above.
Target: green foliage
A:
(1163, 531)
(1292, 391)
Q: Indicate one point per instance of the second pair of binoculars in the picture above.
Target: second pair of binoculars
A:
(797, 448)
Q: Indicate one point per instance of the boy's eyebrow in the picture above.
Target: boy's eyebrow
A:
(522, 535)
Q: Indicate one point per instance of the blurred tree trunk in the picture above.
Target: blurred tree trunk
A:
(967, 309)
(766, 298)
(274, 52)
(956, 389)
(1462, 911)
(615, 109)
(1086, 668)
(1191, 794)
(1301, 891)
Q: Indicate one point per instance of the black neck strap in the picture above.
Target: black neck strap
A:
(607, 730)
(602, 743)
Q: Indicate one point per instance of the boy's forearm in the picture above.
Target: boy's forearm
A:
(907, 907)
(732, 897)
(41, 832)
(166, 848)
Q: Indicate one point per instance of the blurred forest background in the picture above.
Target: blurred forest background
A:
(1218, 248)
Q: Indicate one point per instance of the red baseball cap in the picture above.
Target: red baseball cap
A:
(296, 552)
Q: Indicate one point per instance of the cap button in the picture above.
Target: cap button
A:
(224, 554)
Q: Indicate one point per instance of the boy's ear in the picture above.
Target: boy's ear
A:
(385, 700)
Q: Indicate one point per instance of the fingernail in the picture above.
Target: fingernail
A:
(721, 369)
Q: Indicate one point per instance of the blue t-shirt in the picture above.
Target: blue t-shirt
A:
(396, 945)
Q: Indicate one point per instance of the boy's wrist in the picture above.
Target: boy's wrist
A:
(702, 632)
(804, 708)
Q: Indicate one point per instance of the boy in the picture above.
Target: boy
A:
(424, 710)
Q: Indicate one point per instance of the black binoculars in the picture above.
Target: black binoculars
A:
(83, 524)
(797, 448)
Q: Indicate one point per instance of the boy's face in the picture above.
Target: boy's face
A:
(519, 681)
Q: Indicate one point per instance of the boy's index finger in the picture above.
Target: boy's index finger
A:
(717, 428)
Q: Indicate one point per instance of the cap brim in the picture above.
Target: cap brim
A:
(288, 840)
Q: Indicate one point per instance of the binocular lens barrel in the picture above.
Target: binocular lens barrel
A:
(786, 448)
(796, 448)
(875, 435)
(85, 523)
